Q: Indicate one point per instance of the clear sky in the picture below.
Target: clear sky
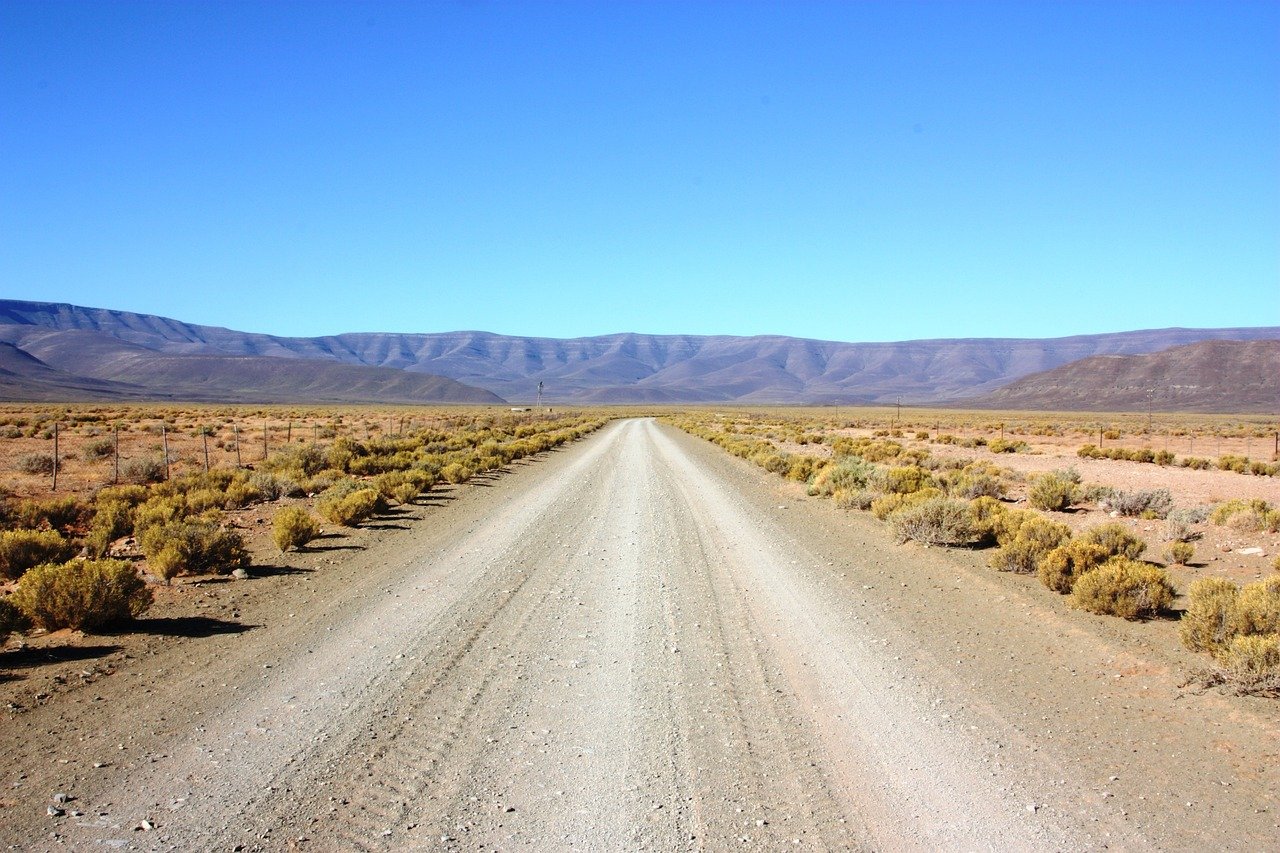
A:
(849, 171)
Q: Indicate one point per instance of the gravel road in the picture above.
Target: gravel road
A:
(633, 645)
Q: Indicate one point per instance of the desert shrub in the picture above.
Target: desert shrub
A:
(132, 495)
(112, 519)
(36, 463)
(983, 512)
(1125, 588)
(1258, 608)
(99, 449)
(192, 546)
(848, 473)
(308, 459)
(1055, 491)
(935, 521)
(978, 485)
(21, 550)
(902, 479)
(143, 471)
(11, 618)
(855, 498)
(81, 594)
(1154, 503)
(1223, 512)
(1032, 539)
(886, 505)
(158, 511)
(240, 493)
(1178, 530)
(1115, 539)
(351, 509)
(1210, 618)
(58, 513)
(1251, 664)
(456, 472)
(1063, 566)
(1180, 552)
(1000, 445)
(273, 486)
(197, 501)
(293, 527)
(1232, 462)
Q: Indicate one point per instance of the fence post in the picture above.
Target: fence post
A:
(264, 441)
(164, 436)
(205, 435)
(235, 431)
(55, 456)
(117, 454)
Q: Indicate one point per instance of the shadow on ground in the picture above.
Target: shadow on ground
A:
(187, 626)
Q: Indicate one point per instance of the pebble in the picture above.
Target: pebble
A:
(240, 575)
(54, 811)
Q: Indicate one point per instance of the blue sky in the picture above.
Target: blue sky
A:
(849, 171)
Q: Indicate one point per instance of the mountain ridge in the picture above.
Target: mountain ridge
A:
(633, 367)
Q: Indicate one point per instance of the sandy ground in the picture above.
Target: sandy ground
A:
(641, 642)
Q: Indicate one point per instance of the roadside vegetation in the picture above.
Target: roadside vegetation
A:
(90, 555)
(907, 478)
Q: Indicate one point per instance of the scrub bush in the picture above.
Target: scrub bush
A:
(82, 594)
(1210, 618)
(192, 546)
(1180, 553)
(21, 550)
(293, 527)
(1064, 565)
(351, 509)
(1115, 540)
(1156, 503)
(1125, 588)
(935, 521)
(1055, 491)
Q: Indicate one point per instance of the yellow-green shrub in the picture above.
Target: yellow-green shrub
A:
(81, 594)
(293, 527)
(983, 512)
(21, 550)
(1025, 539)
(1180, 553)
(886, 505)
(58, 513)
(1062, 567)
(11, 618)
(113, 519)
(192, 546)
(1210, 618)
(902, 479)
(1125, 588)
(350, 509)
(1258, 608)
(935, 521)
(1115, 539)
(1251, 664)
(1054, 491)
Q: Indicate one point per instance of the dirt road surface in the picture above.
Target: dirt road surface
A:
(642, 643)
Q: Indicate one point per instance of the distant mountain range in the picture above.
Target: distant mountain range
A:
(61, 351)
(1210, 376)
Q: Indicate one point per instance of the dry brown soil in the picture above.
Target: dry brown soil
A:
(638, 642)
